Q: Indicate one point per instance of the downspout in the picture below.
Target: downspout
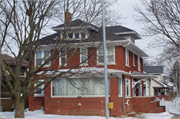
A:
(123, 76)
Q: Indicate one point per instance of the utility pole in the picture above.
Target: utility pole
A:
(105, 62)
(0, 69)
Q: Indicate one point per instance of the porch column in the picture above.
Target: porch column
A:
(150, 87)
(146, 87)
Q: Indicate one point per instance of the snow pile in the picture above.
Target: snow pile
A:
(38, 114)
(171, 106)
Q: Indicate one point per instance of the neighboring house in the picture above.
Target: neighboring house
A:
(7, 103)
(158, 88)
(124, 57)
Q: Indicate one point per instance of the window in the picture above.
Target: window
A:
(82, 86)
(38, 92)
(119, 86)
(133, 59)
(83, 35)
(110, 55)
(76, 35)
(127, 88)
(22, 71)
(70, 35)
(139, 64)
(40, 55)
(83, 56)
(63, 57)
(127, 57)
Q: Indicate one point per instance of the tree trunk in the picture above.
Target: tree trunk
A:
(19, 108)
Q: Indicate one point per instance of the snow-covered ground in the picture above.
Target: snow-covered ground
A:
(171, 106)
(38, 114)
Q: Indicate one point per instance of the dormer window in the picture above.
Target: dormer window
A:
(76, 35)
(70, 35)
(82, 35)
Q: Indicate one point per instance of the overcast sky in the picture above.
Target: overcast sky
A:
(125, 7)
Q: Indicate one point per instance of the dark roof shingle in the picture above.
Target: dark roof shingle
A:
(153, 69)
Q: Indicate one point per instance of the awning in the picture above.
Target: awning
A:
(140, 75)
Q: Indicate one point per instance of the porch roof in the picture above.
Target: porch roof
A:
(140, 75)
(87, 70)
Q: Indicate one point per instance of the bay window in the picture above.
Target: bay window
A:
(110, 55)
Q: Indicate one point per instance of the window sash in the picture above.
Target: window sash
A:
(127, 57)
(133, 59)
(76, 35)
(40, 55)
(39, 88)
(85, 86)
(127, 88)
(110, 55)
(119, 86)
(139, 65)
(83, 56)
(63, 57)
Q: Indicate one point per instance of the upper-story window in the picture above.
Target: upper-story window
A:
(83, 56)
(70, 35)
(139, 64)
(83, 35)
(40, 55)
(127, 57)
(63, 58)
(76, 35)
(110, 55)
(133, 59)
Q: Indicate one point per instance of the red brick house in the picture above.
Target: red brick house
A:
(125, 87)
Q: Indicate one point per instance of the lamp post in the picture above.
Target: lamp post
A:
(105, 62)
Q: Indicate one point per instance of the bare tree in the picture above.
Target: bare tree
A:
(23, 23)
(161, 20)
(174, 76)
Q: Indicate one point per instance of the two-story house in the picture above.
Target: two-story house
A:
(159, 89)
(87, 95)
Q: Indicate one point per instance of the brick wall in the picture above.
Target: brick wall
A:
(89, 105)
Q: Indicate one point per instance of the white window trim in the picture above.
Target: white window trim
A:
(127, 57)
(129, 88)
(85, 63)
(107, 56)
(139, 64)
(42, 54)
(133, 55)
(42, 92)
(60, 59)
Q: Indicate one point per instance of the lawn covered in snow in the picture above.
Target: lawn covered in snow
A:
(38, 114)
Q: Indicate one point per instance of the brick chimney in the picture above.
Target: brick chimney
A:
(68, 16)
